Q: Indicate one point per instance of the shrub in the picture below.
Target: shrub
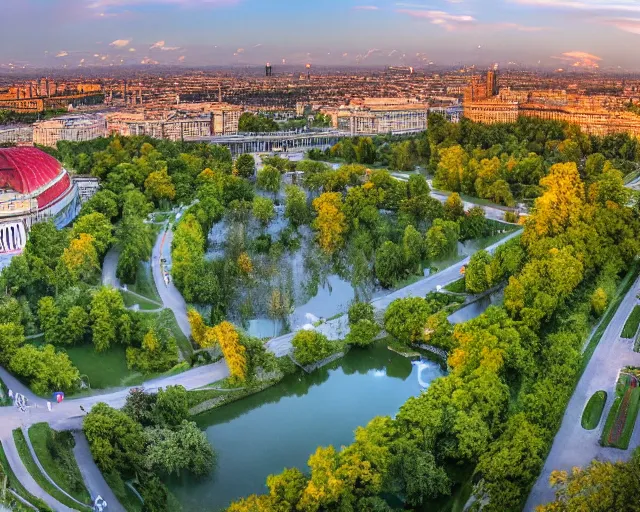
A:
(360, 311)
(405, 319)
(310, 347)
(363, 333)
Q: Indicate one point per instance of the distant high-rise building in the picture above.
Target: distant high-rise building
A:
(492, 83)
(268, 70)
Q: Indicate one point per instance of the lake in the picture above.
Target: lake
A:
(283, 425)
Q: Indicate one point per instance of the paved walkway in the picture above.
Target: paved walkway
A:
(109, 267)
(170, 295)
(92, 476)
(34, 456)
(573, 445)
(25, 478)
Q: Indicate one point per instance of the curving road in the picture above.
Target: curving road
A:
(573, 445)
(68, 415)
(170, 295)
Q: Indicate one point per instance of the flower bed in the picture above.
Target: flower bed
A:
(624, 411)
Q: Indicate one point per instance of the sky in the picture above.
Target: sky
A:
(553, 34)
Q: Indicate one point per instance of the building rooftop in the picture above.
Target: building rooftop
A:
(25, 170)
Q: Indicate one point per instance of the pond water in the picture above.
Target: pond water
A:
(283, 425)
(475, 309)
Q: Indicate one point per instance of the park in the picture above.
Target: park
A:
(200, 304)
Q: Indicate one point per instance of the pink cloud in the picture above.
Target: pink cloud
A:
(444, 19)
(580, 59)
(631, 25)
(366, 8)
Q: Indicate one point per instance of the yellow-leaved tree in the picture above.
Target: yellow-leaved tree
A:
(560, 205)
(331, 222)
(234, 352)
(81, 257)
(198, 328)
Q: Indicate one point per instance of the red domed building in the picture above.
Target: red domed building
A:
(33, 187)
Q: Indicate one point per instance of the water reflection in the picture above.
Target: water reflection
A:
(281, 426)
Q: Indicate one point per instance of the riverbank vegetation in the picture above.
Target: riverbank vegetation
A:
(149, 439)
(512, 370)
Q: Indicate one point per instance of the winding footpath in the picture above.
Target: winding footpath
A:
(69, 414)
(573, 445)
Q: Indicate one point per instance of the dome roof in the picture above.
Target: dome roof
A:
(26, 170)
(30, 171)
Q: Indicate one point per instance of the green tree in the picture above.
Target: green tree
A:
(99, 227)
(159, 186)
(389, 265)
(107, 306)
(478, 276)
(103, 201)
(361, 311)
(117, 442)
(416, 475)
(171, 406)
(405, 319)
(49, 319)
(269, 179)
(453, 207)
(296, 209)
(173, 452)
(451, 168)
(45, 369)
(442, 238)
(134, 237)
(413, 248)
(366, 151)
(263, 210)
(362, 333)
(11, 339)
(310, 347)
(246, 166)
(75, 325)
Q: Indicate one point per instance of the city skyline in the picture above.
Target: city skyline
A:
(587, 34)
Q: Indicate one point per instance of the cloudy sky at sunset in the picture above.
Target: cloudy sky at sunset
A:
(556, 33)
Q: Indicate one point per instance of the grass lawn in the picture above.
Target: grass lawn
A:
(458, 286)
(145, 304)
(63, 468)
(622, 416)
(4, 395)
(631, 325)
(145, 285)
(32, 468)
(623, 288)
(14, 483)
(165, 319)
(105, 370)
(109, 369)
(593, 410)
